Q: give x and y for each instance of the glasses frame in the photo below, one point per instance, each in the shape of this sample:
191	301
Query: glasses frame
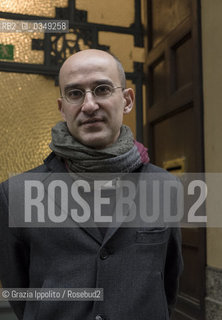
80	102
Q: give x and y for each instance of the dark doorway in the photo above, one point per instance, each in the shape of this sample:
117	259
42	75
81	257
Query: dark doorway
175	124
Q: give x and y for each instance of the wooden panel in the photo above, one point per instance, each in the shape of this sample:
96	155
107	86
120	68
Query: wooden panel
189	283
191	238
158	80
183	57
166	16
182	99
175	138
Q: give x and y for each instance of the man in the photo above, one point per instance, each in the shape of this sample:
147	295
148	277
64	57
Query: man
138	268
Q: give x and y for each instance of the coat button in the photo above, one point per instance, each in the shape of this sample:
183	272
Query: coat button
98	317
104	254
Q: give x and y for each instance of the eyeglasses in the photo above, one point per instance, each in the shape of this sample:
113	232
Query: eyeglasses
77	96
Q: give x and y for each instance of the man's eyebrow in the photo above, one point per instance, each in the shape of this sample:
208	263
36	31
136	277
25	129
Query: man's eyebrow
94	83
70	86
103	81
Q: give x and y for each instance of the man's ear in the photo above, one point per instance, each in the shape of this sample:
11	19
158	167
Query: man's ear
60	107
129	98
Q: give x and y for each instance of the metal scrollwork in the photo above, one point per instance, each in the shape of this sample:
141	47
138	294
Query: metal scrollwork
82	34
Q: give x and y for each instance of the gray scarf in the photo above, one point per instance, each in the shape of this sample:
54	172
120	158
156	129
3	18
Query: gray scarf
122	156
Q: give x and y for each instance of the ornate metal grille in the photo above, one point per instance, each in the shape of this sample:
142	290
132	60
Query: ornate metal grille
57	47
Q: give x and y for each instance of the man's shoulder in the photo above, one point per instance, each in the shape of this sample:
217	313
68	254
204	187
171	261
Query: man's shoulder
50	164
45	167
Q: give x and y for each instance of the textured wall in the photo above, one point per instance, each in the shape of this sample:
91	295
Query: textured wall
212	74
28	102
28	110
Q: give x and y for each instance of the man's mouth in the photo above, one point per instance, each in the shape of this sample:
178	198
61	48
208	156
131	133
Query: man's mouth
91	121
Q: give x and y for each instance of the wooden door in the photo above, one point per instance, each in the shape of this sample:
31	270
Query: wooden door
174	122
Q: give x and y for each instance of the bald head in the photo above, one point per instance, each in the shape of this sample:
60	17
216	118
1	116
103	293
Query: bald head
92	54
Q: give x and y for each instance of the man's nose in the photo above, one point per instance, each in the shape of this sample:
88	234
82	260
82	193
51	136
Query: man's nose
89	104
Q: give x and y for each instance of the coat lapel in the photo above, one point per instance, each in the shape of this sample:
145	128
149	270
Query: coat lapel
58	167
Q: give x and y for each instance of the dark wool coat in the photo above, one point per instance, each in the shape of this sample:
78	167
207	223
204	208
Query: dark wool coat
138	268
